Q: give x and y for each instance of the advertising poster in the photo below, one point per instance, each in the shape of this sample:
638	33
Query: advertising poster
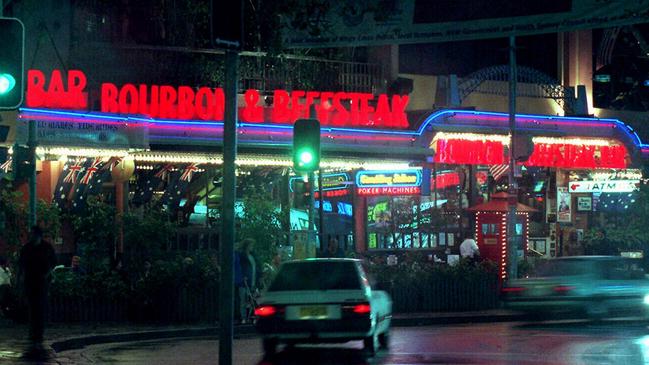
584	203
564	210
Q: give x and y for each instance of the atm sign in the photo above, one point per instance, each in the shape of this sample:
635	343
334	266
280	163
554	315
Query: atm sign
604	186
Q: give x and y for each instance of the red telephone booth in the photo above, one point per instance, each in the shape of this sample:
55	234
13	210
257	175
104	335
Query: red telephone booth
491	229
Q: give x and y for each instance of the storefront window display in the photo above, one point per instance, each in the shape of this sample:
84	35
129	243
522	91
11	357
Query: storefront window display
410	222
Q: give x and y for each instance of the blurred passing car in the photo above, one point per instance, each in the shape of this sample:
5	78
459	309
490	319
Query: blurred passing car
323	300
595	286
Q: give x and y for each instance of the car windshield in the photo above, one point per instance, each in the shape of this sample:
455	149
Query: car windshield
316	275
553	268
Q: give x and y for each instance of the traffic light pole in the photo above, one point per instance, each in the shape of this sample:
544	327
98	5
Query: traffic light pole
512	249
226	309
321	210
312	236
31	143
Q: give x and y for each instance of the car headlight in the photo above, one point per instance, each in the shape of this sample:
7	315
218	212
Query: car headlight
646	299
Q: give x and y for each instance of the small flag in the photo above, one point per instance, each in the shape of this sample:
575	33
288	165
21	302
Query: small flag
67	180
148	183
87	183
498	171
178	186
6	166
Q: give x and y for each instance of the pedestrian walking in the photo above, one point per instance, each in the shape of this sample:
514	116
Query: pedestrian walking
36	262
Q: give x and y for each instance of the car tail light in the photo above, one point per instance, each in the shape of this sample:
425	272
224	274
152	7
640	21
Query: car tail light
563	289
265	311
362	308
513	289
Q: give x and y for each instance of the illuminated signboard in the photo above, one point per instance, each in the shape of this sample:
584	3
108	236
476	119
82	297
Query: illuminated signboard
603	186
446	179
404	182
577	156
205	103
330	193
342	208
463	151
337	181
482	149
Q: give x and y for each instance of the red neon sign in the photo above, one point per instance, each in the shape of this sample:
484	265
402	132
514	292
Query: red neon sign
331	193
204	103
575	156
462	151
443	181
389	190
70	95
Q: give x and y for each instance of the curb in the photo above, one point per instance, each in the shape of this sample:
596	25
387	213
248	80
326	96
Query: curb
76	343
427	321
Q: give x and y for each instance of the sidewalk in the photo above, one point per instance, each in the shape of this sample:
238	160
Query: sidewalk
15	349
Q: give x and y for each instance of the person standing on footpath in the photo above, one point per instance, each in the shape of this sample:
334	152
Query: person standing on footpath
245	276
36	261
469	250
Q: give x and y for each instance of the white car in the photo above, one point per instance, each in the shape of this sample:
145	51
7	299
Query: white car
323	300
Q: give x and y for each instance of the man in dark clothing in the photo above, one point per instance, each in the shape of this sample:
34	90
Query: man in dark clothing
36	262
245	276
333	250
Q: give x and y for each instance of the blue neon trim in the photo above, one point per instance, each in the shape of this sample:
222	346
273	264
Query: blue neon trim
186	122
388	172
429	121
75	114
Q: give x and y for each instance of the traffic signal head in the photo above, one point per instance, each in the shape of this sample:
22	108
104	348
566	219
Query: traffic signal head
12	44
306	145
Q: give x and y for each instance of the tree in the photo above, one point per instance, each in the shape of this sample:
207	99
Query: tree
261	220
95	230
623	229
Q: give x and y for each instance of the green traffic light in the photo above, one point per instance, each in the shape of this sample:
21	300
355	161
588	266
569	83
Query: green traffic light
7	83
306	157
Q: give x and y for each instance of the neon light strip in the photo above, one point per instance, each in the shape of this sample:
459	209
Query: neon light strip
429	121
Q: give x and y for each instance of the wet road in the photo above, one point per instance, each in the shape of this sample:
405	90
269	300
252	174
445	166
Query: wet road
502	343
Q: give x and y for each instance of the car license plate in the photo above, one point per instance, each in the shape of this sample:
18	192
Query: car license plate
313	312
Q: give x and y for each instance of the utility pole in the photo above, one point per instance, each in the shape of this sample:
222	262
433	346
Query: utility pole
512	249
31	144
321	209
311	234
226	309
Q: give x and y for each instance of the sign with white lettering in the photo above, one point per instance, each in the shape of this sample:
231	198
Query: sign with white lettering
111	134
604	186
